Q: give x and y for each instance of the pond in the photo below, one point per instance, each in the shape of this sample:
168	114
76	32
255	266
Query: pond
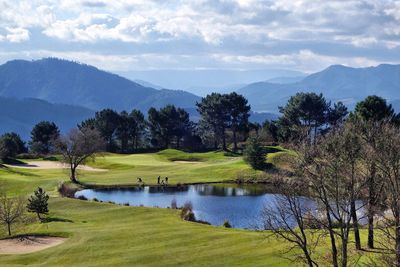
241	205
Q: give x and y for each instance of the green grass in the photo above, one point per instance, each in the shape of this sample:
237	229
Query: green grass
180	167
102	234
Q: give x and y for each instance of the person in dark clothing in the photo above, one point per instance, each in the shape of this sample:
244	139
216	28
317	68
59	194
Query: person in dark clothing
166	180
139	180
158	180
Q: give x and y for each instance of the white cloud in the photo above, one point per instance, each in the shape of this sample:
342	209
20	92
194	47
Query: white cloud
236	32
16	35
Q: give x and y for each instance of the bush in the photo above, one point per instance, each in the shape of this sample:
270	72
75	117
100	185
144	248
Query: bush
187	213
254	154
226	224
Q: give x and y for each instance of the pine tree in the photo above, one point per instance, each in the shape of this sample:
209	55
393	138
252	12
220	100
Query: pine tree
38	203
254	154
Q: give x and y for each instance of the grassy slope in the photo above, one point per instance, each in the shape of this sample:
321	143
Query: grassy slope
103	234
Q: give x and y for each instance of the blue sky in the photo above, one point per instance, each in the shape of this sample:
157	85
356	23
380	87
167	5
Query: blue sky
125	35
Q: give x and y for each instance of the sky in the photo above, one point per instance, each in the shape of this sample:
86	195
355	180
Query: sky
135	35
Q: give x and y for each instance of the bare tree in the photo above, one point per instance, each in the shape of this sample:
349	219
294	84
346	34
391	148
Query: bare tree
330	169
288	217
11	210
388	164
78	146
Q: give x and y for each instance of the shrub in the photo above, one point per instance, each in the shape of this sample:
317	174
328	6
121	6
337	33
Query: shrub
226	224
187	213
126	204
95	200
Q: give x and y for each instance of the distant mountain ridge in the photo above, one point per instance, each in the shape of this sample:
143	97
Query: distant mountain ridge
67	82
20	115
337	83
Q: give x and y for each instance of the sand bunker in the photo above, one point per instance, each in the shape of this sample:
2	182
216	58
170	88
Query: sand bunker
186	161
28	244
51	165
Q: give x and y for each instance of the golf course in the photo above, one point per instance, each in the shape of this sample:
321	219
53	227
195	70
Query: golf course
104	234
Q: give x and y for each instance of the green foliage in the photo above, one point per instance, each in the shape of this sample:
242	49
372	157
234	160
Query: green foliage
220	112
37	203
11	145
254	154
42	136
106	122
226	224
374	108
167	123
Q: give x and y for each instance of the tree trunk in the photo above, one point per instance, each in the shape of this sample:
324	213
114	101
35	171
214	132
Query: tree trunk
38	215
371	207
223	140
332	237
397	236
355	225
308	258
9	228
344	250
234	140
73	174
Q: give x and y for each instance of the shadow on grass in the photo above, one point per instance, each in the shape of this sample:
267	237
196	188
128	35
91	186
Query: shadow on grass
19	172
55	219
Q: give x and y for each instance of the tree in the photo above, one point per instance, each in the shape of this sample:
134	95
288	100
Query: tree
37	203
307	110
42	136
254	154
123	130
78	146
374	108
214	111
388	165
337	114
289	218
167	123
239	114
138	128
11	210
107	122
334	177
369	114
11	144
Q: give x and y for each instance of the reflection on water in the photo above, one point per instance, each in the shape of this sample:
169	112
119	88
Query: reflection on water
241	205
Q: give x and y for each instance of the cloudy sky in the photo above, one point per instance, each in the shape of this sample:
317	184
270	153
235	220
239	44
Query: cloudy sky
123	35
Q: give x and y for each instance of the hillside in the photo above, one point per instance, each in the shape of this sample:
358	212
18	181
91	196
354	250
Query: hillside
337	83
20	115
66	82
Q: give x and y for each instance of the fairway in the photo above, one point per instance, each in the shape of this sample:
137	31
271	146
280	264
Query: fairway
102	234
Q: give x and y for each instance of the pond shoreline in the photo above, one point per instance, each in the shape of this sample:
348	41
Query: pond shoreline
74	187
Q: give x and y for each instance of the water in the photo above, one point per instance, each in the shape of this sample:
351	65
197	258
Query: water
242	206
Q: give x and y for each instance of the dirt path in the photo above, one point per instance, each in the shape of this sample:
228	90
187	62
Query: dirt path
51	165
28	244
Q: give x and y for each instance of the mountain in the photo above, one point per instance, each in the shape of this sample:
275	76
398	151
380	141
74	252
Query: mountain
67	82
337	83
285	80
147	84
20	115
205	81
